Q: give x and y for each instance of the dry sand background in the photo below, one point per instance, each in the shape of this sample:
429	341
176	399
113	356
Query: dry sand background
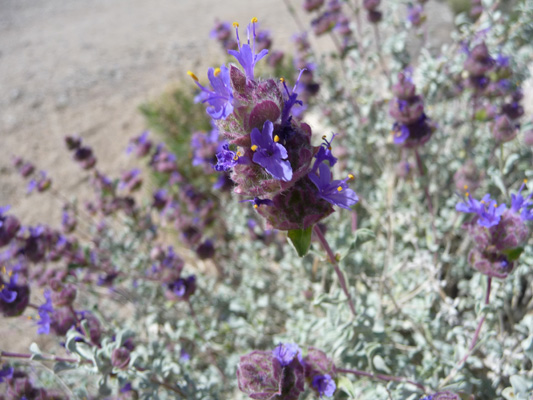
83	67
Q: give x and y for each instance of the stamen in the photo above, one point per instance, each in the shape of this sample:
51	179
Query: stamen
2	287
465	187
4	269
10	273
217	72
468	194
276	138
254	147
525	180
239	154
235	158
351	177
256	206
29	317
282	80
235	24
324	137
254	20
339	189
191	74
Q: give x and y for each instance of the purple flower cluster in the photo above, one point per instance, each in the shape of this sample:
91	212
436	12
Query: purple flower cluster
269	153
282	373
497	96
498	232
412	128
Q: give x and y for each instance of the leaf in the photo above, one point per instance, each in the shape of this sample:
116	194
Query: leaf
346	385
520	386
300	239
34	348
63	366
513	254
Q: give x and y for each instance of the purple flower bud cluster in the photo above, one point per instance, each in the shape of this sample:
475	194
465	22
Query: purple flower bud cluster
498	98
498	232
373	14
412	128
41	182
282	373
468	177
83	155
269	153
18	385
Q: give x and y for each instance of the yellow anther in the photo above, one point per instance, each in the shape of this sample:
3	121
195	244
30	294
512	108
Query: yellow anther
2	287
254	20
525	180
351	177
256	206
28	317
239	154
254	147
217	72
465	187
282	80
324	137
482	201
4	269
495	205
468	194
339	189
10	273
191	74
276	138
235	24
236	157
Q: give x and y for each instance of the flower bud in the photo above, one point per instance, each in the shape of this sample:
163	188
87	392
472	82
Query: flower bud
62	319
120	358
503	129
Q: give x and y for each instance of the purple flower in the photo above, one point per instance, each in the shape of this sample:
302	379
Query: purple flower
227	159
324	153
286	352
246	54
45	311
292	100
6	373
220	98
487	210
518	202
324	385
335	192
258	202
14	297
270	154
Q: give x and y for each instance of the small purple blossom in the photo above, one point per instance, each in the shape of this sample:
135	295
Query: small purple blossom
258	202
324	385
245	55
335	192
286	352
227	159
270	154
487	210
6	373
519	203
220	98
324	154
45	311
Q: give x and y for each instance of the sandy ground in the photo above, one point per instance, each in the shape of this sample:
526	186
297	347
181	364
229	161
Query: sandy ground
80	67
